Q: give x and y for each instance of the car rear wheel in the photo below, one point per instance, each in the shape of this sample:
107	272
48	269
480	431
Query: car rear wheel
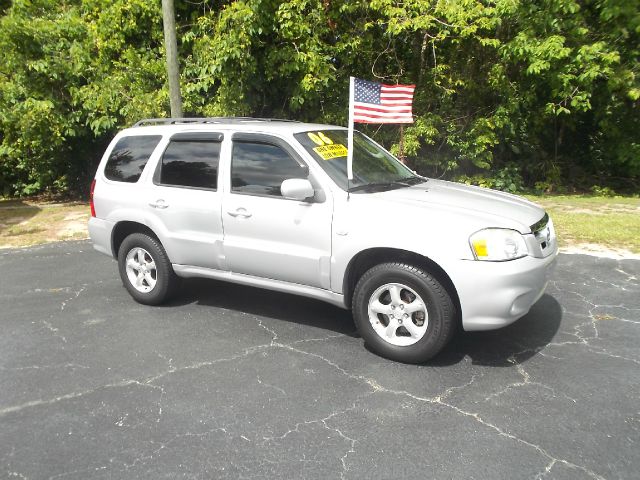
403	312
145	269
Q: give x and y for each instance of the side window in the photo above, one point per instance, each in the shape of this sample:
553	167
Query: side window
260	168
129	157
190	164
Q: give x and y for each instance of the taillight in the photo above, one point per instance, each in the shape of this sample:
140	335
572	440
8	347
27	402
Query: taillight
93	208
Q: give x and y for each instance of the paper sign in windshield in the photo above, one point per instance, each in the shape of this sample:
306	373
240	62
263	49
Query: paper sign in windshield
327	152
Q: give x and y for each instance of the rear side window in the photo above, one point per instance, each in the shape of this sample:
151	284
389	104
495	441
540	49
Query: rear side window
129	157
191	164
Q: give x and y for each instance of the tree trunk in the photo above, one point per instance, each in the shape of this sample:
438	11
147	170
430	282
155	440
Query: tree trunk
171	49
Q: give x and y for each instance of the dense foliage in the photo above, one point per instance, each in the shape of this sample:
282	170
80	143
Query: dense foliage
542	93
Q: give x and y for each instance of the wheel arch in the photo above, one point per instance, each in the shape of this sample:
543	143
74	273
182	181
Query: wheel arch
371	257
125	228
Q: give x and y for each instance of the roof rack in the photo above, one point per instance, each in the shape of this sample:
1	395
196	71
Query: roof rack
204	120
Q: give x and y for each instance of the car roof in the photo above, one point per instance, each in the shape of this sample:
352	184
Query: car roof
219	124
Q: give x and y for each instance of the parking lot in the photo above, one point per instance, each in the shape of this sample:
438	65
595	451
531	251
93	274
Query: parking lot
234	382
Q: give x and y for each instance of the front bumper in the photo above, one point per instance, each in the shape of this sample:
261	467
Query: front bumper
496	294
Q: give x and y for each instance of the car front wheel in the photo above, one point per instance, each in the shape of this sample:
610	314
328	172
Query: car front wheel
403	312
145	269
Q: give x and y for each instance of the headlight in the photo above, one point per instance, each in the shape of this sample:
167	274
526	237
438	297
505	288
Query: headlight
498	244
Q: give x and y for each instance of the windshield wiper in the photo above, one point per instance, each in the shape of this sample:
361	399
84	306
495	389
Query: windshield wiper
415	180
379	186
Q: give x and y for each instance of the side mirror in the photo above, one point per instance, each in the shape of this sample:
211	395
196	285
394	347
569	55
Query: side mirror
297	189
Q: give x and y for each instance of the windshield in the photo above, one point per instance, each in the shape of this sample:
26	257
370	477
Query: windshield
374	169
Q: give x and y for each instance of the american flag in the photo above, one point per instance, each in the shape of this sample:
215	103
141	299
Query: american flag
379	103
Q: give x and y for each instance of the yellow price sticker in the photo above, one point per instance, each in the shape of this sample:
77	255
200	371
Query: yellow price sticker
315	138
334	150
324	138
319	138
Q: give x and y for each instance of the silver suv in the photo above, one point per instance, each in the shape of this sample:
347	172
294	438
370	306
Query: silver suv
267	203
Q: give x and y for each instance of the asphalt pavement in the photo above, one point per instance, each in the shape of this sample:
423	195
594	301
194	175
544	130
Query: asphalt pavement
234	382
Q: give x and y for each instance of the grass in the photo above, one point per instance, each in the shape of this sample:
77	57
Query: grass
610	222
25	223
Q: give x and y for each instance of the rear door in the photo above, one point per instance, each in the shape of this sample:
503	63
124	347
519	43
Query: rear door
267	235
185	199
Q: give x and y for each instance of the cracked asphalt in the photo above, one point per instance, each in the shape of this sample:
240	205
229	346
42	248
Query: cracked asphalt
235	382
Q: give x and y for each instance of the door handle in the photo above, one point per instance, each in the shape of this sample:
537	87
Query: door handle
159	204
240	212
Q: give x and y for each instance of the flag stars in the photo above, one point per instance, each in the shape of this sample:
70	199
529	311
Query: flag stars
367	92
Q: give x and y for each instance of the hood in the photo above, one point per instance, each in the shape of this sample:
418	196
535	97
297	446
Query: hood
496	209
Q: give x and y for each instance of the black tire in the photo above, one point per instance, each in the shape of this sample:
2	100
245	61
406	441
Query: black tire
439	307
166	280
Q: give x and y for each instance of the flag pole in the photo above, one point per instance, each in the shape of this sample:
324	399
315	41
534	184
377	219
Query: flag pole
350	133
401	146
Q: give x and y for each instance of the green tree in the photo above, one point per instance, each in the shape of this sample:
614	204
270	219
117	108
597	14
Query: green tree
528	93
74	72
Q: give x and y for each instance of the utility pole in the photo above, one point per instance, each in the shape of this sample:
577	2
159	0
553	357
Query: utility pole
171	49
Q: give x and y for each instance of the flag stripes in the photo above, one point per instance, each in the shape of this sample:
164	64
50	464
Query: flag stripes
378	103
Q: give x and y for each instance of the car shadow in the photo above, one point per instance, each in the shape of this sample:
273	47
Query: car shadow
499	348
515	343
14	212
266	303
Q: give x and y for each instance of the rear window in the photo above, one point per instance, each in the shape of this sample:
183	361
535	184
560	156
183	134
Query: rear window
191	164
129	157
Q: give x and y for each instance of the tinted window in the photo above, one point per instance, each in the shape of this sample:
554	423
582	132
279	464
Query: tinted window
191	164
260	168
129	156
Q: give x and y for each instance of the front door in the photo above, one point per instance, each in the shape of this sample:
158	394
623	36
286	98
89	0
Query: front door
266	235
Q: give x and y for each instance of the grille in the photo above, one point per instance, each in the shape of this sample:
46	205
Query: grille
545	234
